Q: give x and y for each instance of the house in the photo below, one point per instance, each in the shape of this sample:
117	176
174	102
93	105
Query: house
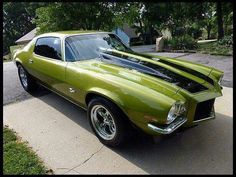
26	38
21	42
126	34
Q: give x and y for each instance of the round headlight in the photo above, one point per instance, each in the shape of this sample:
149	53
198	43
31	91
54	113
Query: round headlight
176	110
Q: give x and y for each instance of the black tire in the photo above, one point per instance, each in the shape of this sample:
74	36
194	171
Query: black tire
29	84
122	124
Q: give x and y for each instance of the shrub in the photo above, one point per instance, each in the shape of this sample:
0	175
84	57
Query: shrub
181	43
226	41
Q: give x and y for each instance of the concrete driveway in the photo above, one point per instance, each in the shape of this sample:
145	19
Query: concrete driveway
60	134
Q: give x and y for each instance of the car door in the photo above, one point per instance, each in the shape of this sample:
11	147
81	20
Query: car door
47	64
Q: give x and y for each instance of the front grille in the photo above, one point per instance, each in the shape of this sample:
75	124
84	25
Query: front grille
204	109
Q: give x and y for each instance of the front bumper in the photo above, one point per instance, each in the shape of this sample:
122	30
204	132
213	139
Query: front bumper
170	128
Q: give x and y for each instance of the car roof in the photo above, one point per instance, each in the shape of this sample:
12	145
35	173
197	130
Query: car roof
70	33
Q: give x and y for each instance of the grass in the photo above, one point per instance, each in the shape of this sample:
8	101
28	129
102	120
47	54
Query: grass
18	158
214	48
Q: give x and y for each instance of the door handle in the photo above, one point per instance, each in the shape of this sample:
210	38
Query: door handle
71	90
31	61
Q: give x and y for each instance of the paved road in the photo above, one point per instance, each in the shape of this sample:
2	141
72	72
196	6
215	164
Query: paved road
12	89
60	134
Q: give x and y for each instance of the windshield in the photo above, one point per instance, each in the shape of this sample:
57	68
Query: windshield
83	47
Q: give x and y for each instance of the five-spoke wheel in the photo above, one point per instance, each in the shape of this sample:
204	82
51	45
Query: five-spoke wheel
27	82
107	121
23	77
103	122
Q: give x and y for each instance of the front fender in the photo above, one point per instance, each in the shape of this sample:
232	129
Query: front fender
17	60
112	96
140	108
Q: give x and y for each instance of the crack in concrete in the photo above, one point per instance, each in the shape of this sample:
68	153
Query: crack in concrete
86	160
62	168
72	170
68	170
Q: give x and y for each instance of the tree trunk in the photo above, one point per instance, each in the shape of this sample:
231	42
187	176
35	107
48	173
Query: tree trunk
141	26
151	34
141	30
208	32
219	20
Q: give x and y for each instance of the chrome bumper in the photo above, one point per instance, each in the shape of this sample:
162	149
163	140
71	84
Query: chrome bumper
170	128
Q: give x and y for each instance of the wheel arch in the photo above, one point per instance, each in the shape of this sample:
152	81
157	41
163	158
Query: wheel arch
18	61
114	98
105	94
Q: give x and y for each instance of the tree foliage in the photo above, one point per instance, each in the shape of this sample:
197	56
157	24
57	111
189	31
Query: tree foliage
209	18
74	16
17	21
181	18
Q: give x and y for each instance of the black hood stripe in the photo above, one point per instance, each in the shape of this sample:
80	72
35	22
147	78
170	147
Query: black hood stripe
188	70
153	70
191	71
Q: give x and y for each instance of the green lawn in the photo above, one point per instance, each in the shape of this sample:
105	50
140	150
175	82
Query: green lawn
214	48
18	158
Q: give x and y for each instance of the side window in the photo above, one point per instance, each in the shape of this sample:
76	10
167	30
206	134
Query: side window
69	52
48	47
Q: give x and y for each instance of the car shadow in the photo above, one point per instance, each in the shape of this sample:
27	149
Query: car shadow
204	149
40	91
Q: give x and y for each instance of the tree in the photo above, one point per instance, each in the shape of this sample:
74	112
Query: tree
155	14
219	20
145	17
227	11
184	18
209	17
130	13
75	16
17	21
181	18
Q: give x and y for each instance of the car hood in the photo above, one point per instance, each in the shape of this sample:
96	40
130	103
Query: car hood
156	73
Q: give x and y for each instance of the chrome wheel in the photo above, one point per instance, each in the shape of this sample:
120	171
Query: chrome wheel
23	77
103	122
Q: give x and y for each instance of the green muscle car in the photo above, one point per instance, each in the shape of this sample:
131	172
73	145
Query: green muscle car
119	88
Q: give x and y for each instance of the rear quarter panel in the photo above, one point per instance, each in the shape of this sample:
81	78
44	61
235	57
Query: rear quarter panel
22	55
